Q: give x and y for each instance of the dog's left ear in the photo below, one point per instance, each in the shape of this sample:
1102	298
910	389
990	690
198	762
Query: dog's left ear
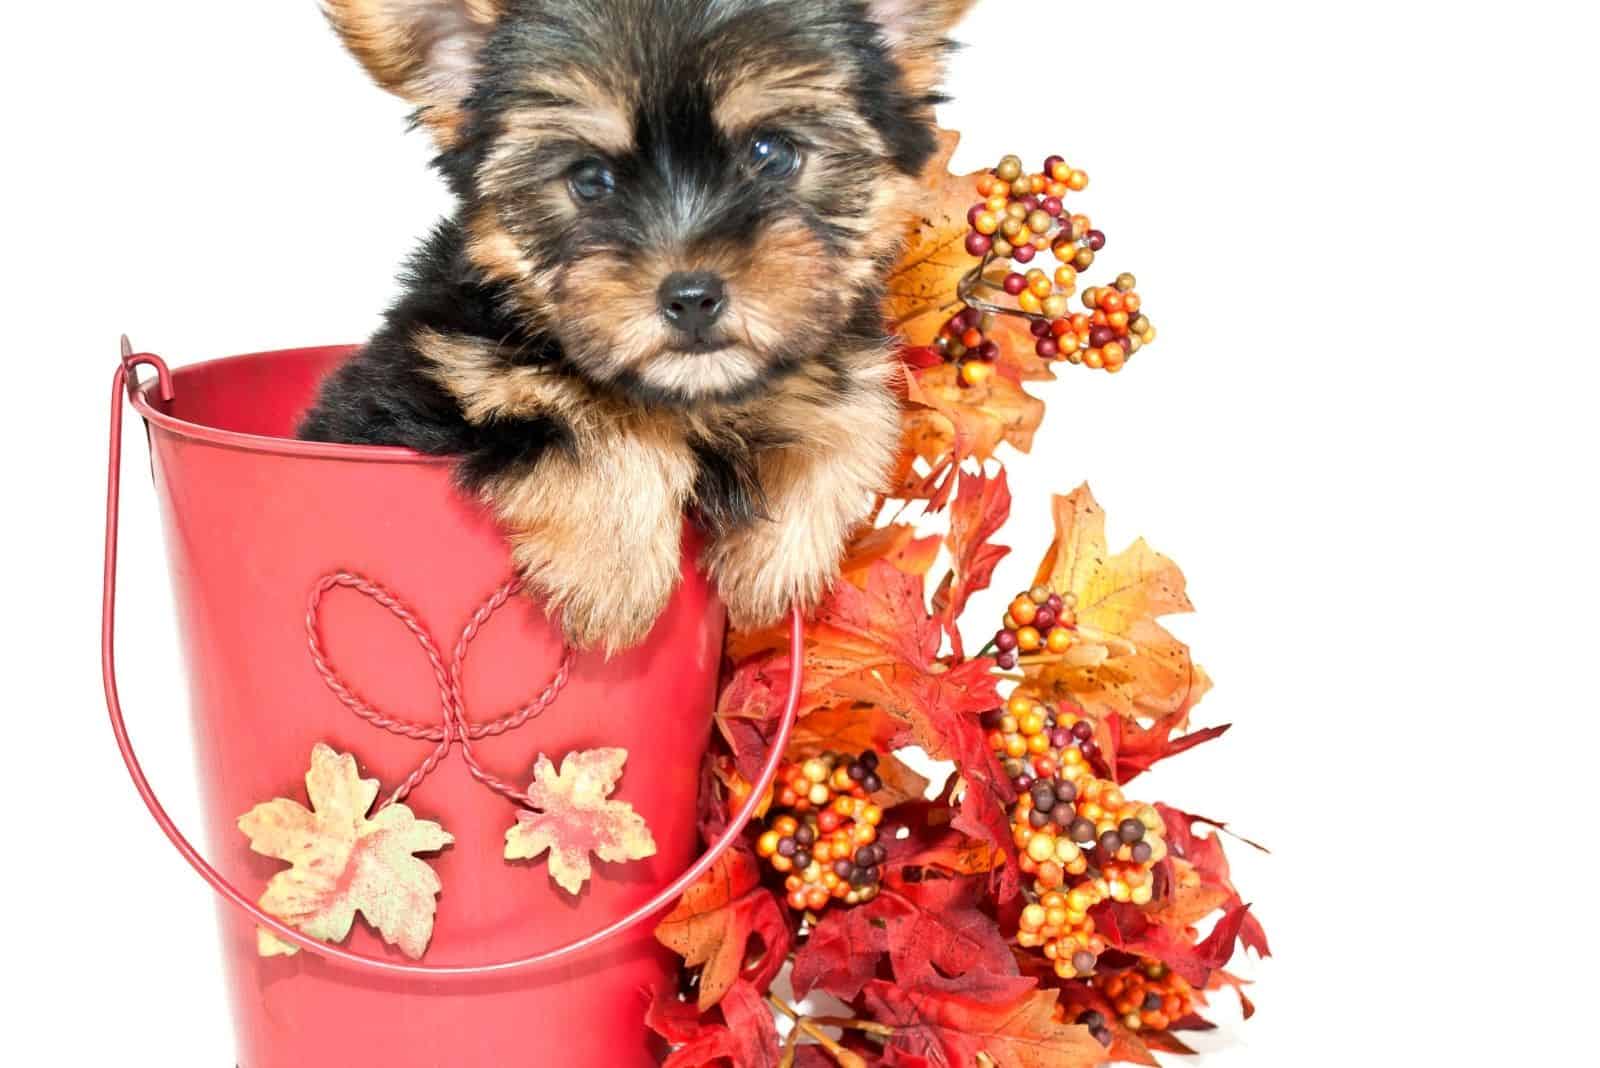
424	51
917	32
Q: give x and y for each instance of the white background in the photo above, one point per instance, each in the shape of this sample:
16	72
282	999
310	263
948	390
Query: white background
1366	231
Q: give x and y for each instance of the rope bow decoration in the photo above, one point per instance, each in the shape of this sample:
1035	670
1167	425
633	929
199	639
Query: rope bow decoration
454	727
567	813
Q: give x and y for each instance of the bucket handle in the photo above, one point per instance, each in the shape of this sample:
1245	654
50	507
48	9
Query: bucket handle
122	386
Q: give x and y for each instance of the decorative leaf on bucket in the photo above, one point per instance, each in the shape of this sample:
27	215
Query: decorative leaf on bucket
343	862
575	818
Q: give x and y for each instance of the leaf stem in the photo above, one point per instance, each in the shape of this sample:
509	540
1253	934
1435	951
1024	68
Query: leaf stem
812	1028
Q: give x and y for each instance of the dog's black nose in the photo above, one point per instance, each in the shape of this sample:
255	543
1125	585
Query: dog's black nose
692	301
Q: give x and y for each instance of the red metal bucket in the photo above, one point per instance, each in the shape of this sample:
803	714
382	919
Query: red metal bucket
272	543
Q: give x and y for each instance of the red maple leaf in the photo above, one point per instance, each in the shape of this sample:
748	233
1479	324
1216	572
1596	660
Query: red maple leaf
926	929
1138	748
981	508
1130	928
1211	883
745	1036
1011	1021
714	922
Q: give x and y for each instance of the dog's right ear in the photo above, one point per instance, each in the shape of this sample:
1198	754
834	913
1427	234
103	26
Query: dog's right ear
425	51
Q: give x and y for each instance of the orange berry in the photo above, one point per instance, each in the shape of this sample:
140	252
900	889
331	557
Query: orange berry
1060	640
1028	639
1023	610
987	222
1028	302
1077	181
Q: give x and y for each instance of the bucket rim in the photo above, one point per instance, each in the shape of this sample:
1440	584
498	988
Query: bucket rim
146	401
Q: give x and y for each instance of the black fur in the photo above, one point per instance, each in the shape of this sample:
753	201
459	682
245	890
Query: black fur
385	395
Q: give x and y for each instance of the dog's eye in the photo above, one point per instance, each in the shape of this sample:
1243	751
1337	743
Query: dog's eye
591	180
774	156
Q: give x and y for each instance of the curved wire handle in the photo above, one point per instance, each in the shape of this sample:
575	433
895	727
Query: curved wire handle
121	386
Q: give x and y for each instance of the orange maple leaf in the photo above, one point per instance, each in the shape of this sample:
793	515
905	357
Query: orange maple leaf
715	919
342	862
921	290
1007	1020
945	421
1124	662
575	818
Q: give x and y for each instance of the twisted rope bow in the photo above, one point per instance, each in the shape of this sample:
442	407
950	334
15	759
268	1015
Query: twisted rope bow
454	727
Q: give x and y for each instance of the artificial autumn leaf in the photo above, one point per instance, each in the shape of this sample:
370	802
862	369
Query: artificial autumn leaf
1009	1020
927	929
713	924
1136	748
575	818
879	646
1133	930
343	863
981	508
921	290
897	543
1124	662
745	1036
856	729
947	423
1204	856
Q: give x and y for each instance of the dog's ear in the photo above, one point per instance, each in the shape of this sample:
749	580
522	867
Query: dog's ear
425	51
917	32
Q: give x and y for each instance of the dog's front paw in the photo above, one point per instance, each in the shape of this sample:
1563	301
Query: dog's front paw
603	603
763	570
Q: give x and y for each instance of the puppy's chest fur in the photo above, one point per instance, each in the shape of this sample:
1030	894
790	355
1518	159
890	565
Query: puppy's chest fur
592	484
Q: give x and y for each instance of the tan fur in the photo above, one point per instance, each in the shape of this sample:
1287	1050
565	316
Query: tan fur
817	492
613	505
595	530
420	50
596	533
917	30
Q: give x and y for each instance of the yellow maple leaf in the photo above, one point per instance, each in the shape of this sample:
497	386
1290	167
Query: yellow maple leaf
1123	662
343	863
576	818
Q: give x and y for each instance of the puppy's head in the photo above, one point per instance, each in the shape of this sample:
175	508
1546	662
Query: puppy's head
693	196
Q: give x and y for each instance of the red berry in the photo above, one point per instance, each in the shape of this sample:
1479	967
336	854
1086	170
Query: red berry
979	245
1015	283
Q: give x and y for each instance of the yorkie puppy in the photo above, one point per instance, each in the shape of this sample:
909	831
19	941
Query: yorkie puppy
662	289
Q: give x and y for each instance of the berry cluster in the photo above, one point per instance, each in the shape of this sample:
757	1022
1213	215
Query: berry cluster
965	339
1079	838
1038	620
1021	216
1093	1020
825	839
1150	997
